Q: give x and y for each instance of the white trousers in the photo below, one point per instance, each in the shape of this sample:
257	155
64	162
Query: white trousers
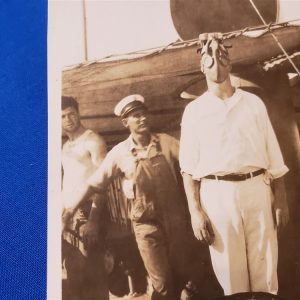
244	254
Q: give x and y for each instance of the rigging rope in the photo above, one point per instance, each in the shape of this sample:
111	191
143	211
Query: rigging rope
276	39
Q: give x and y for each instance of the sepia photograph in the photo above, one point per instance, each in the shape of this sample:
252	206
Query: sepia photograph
174	149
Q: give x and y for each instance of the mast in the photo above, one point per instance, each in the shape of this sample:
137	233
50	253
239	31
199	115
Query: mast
84	31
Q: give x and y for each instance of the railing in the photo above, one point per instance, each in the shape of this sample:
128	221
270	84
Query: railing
119	206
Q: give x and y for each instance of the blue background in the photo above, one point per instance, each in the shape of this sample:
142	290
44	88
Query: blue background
23	144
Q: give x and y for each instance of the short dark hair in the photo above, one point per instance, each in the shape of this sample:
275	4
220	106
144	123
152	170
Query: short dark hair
67	101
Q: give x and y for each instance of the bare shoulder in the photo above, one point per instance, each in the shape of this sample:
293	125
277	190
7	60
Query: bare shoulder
94	139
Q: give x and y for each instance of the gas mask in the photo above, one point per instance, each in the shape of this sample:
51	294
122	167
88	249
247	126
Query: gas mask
215	62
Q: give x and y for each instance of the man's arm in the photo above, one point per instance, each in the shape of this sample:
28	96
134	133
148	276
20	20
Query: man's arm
280	206
96	183
82	194
277	169
97	149
200	222
189	156
91	230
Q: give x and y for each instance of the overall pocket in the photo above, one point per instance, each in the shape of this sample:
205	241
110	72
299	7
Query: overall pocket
142	210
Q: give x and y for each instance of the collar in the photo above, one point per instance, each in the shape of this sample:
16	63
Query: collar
213	104
132	145
233	100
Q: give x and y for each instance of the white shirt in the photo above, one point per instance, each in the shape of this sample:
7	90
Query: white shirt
228	136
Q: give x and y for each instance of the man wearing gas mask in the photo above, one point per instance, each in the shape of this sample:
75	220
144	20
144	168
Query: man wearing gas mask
230	157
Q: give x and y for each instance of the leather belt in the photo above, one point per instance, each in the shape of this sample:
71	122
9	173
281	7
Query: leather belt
236	177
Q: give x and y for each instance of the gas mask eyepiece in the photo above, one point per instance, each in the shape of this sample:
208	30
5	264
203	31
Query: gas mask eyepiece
212	50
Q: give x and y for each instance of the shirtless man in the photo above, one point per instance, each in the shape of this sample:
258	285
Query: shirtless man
82	245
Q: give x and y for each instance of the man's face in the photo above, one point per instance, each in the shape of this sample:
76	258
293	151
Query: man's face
137	121
70	119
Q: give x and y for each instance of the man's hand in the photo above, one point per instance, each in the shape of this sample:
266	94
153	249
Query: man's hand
79	196
280	206
67	215
280	213
281	216
91	229
202	227
200	222
90	233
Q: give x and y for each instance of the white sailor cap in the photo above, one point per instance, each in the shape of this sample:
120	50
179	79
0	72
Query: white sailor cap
129	104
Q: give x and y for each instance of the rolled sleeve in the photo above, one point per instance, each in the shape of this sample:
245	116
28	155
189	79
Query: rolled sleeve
189	150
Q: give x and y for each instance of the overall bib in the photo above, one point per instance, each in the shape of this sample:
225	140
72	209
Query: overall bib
159	223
